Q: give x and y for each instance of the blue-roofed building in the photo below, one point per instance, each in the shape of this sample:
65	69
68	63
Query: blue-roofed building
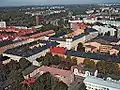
59	35
4	59
111	38
94	83
31	50
72	42
93	56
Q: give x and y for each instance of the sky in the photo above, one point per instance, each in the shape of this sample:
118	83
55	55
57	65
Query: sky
47	2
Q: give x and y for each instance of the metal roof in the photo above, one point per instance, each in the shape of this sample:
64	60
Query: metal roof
21	50
101	82
96	56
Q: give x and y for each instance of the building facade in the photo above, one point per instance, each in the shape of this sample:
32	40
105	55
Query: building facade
94	83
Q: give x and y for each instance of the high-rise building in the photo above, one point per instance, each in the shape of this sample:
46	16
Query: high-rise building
37	20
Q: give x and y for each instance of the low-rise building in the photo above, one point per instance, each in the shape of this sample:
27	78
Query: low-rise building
30	51
63	75
94	83
5	59
71	43
30	71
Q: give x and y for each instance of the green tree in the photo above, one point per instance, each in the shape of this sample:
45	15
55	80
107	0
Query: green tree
40	59
80	47
89	63
74	61
82	87
107	67
16	79
24	63
47	82
61	86
107	33
56	60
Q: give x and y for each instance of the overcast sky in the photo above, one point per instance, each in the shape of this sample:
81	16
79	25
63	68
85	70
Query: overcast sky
41	2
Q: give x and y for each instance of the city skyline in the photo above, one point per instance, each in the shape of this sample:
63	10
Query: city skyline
47	2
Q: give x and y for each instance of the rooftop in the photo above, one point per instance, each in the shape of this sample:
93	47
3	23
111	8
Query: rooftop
7	42
30	49
89	46
87	31
29	70
100	40
2	58
56	71
96	56
90	30
110	38
99	81
60	34
39	33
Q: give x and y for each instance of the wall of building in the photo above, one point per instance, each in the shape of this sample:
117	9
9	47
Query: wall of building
90	36
33	57
2	24
115	23
68	80
104	29
91	85
13	57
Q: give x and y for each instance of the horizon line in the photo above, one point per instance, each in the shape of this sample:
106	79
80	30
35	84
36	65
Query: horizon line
58	4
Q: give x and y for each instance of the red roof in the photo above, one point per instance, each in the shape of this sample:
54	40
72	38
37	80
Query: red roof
42	33
55	71
30	81
17	33
59	50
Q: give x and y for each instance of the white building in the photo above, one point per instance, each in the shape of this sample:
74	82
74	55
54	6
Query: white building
2	24
85	20
105	29
32	58
73	42
94	83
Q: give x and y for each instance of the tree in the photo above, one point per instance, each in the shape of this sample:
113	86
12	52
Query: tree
82	86
74	61
80	47
107	33
61	86
40	59
107	67
89	63
24	63
16	78
56	60
78	86
47	82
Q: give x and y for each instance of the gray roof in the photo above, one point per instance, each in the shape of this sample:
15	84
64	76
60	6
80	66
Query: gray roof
110	38
29	70
101	82
23	52
96	56
100	40
87	31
